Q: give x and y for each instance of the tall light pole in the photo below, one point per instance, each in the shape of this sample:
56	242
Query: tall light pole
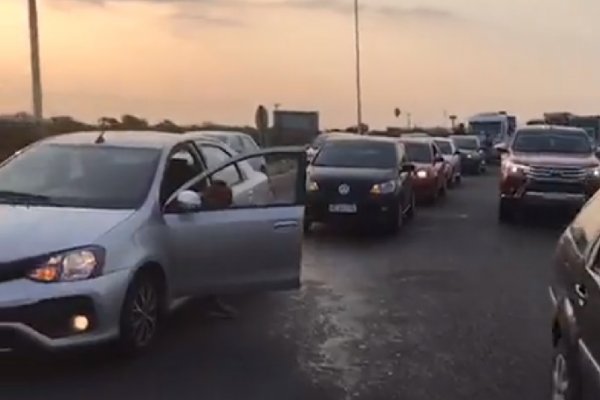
359	119
36	79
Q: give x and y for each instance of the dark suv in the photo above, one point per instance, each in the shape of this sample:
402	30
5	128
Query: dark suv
547	165
575	292
360	178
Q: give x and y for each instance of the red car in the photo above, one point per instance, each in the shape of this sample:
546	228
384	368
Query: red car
430	178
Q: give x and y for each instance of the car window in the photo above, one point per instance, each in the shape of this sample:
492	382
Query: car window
444	146
182	166
552	141
215	156
357	154
249	144
418	152
80	176
585	228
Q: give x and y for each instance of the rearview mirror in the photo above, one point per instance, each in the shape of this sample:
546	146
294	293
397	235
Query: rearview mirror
407	168
189	201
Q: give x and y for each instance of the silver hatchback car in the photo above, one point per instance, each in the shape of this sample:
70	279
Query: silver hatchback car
102	234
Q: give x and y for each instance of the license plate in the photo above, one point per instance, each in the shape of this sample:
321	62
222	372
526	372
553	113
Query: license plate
342	208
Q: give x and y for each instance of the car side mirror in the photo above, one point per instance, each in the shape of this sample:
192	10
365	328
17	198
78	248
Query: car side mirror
438	159
407	168
598	151
189	201
457	153
502	149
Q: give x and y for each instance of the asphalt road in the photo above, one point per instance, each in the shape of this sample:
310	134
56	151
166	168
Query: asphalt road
454	307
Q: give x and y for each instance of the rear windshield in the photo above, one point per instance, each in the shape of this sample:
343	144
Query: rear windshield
444	146
552	141
418	152
357	154
466	143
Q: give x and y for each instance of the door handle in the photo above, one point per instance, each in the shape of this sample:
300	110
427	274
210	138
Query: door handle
582	294
285	224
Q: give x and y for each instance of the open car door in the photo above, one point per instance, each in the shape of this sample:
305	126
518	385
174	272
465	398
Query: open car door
244	235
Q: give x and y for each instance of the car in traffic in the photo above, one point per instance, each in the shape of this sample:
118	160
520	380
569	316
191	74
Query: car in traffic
547	165
104	233
318	142
241	142
430	176
360	179
452	156
472	156
575	295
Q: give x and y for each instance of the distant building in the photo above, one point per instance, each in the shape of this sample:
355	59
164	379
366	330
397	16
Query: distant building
295	127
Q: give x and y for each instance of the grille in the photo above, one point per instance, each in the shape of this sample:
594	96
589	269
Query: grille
358	190
557	173
555	187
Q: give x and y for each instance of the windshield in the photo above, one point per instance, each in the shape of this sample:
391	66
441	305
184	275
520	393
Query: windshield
357	154
552	141
466	143
444	146
79	176
418	152
489	130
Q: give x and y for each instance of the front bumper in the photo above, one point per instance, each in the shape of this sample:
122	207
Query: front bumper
548	192
425	188
371	209
471	164
38	315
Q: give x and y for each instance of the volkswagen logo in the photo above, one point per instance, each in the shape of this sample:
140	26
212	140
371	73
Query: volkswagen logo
344	189
555	173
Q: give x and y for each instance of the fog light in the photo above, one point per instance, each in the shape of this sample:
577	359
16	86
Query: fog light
80	323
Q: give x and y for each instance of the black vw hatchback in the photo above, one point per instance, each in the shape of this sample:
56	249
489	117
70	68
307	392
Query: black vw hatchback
363	179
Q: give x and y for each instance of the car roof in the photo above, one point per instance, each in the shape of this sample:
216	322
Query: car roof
196	134
465	136
367	138
417	139
139	139
546	128
442	139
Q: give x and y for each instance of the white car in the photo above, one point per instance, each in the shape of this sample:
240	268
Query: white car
241	142
105	233
451	155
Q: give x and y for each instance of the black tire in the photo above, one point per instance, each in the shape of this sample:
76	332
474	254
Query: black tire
141	313
458	180
392	226
566	378
307	226
410	213
506	211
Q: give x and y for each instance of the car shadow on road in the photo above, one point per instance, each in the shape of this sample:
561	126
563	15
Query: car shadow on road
544	218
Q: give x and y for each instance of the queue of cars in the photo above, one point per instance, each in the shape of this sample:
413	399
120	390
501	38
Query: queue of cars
379	180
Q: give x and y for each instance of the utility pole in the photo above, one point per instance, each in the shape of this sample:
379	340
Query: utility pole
36	79
408	120
359	118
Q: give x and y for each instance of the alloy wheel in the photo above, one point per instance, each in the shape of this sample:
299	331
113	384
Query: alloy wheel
144	314
560	378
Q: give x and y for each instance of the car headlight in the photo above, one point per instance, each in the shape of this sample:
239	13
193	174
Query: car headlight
594	172
422	174
514	168
69	266
312	186
384	188
469	155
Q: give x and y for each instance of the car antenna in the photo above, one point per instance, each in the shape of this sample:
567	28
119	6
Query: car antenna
100	138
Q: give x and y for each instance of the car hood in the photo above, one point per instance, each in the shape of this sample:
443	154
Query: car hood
31	231
327	173
572	160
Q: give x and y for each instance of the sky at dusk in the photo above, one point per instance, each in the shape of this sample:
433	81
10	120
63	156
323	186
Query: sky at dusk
216	60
